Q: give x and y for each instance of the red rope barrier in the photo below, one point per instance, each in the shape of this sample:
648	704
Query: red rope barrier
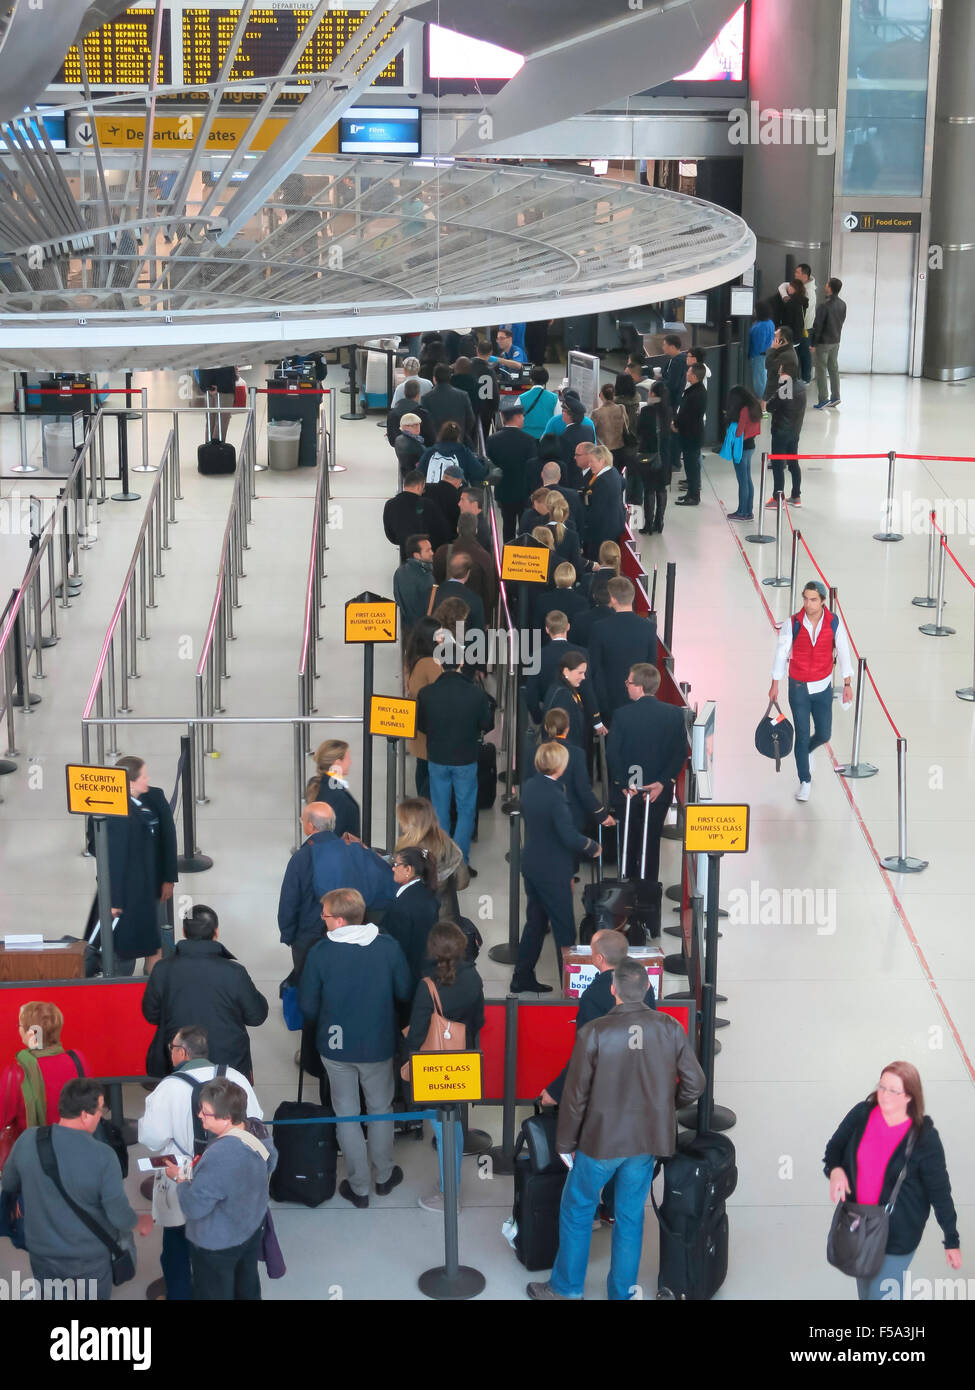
839	609
938	458
956	560
837	456
886	711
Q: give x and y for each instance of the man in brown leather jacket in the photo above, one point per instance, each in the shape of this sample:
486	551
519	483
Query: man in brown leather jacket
629	1072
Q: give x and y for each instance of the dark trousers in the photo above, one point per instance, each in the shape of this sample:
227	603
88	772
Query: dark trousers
227	1275
510	512
546	905
805	359
175	1261
690	451
422	778
785	444
634	850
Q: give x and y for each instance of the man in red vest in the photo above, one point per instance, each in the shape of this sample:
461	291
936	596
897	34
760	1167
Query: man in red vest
807	642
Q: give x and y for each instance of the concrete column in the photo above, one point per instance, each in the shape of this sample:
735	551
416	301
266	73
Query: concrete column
787	195
949	347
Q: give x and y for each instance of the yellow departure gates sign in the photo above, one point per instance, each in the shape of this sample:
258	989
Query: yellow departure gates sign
370	621
127	131
395	718
712	829
441	1077
526	562
97	791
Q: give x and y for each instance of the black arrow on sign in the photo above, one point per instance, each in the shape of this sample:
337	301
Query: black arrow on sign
388	633
84	133
90	802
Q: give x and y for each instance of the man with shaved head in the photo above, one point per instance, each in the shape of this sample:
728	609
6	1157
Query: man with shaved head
323	863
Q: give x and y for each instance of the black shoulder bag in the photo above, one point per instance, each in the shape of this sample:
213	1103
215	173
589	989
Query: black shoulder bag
123	1263
857	1240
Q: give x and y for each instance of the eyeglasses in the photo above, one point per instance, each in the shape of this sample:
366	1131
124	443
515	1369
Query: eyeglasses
207	1115
176	1047
890	1091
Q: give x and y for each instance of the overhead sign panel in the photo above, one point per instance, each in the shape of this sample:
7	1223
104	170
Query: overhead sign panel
370	621
127	131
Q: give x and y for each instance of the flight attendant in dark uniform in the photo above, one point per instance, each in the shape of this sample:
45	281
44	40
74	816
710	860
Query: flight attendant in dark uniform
573	693
552	844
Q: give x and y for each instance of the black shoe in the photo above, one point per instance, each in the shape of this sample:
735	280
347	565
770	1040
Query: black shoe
156	1290
658	528
688	501
646	531
528	986
346	1191
472	871
395	1178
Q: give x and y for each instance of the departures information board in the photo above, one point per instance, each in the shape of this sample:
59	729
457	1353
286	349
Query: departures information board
269	37
120	53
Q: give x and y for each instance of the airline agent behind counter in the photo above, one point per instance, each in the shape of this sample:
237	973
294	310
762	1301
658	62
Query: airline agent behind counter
807	642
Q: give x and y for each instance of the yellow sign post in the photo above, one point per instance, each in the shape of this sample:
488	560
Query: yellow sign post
370	621
446	1078
528	563
712	829
392	717
97	791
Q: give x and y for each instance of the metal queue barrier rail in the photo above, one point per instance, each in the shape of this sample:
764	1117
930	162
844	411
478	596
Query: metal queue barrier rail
67	531
314	600
304	393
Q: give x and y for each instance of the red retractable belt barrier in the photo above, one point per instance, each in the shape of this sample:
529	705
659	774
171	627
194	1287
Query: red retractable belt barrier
102	1018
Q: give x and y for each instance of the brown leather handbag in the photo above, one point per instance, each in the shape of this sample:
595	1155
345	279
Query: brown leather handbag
443	1035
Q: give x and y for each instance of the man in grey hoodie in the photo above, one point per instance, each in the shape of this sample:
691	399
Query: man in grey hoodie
224	1197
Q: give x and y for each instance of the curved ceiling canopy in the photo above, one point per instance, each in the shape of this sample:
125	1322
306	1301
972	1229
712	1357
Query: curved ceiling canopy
359	248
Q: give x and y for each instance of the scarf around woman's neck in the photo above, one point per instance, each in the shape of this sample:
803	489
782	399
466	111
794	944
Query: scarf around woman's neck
32	1086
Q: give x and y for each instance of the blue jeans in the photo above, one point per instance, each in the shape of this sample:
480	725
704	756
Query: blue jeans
746	485
819	708
580	1197
438	1133
893	1267
759	375
462	780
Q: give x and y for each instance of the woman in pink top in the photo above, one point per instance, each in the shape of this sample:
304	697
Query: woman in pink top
865	1157
745	407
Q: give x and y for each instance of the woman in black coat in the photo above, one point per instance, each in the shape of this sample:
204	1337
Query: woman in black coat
416	906
331	785
564	694
461	994
865	1157
652	426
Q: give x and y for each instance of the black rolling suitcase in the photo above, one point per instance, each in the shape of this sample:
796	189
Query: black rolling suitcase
540	1177
487	776
215	456
698	1179
307	1154
608	903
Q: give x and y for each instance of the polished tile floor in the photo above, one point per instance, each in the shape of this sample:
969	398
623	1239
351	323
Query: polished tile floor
878	967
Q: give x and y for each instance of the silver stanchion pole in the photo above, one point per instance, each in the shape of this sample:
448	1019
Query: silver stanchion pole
761	538
854	768
937	628
145	466
837	690
794	571
778	580
900	863
969	692
888	534
929	600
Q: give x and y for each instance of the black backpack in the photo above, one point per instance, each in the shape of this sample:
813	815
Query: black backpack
774	736
200	1136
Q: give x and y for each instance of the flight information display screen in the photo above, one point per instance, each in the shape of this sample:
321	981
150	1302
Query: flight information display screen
120	53
268	38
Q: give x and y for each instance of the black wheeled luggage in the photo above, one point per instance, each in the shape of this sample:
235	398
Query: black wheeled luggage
307	1154
215	455
487	776
540	1177
698	1179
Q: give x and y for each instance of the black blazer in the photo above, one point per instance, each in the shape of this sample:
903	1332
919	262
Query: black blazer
552	843
409	514
203	983
408	920
453	588
571	602
615	646
595	1001
925	1185
605	509
344	804
584	804
648	735
583	626
538	685
140	861
562	696
462	1002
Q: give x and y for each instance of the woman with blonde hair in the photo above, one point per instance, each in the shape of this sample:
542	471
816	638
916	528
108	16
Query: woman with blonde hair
419	828
31	1085
609	566
565	537
331	785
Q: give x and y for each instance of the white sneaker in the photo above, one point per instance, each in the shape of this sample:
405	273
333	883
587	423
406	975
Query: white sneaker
812	762
803	793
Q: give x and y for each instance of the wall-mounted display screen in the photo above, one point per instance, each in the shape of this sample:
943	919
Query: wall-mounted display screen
452	55
269	37
380	130
120	53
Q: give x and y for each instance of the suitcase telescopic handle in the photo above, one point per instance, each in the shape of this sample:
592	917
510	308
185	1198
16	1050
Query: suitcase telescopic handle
646	827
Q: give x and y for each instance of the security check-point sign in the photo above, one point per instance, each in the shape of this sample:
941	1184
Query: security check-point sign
392	717
371	621
445	1078
528	563
97	791
711	829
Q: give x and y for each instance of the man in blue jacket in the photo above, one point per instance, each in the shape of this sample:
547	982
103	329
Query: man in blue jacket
616	645
603	501
322	863
349	987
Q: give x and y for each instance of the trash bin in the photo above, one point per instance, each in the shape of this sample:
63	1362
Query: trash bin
59	449
283	438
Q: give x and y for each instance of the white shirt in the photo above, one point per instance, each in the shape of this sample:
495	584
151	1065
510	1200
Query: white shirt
403	886
783	650
167	1127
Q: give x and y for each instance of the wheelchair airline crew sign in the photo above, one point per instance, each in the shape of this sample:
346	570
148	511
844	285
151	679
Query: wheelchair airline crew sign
711	829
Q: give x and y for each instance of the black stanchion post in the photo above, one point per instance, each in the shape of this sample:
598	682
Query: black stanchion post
451	1280
507	952
368	655
167	928
669	605
105	939
122	424
705	1115
353	413
389	379
760	538
503	1154
391	751
22	691
191	861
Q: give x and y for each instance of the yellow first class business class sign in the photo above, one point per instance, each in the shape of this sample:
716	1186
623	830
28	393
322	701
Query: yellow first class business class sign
442	1077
